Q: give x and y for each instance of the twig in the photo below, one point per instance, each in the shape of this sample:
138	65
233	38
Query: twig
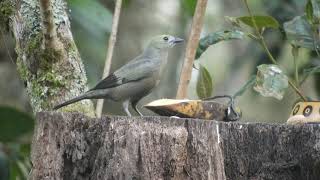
191	48
265	47
111	44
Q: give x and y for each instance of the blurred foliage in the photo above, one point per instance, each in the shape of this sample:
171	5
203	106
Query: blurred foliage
303	31
260	21
309	11
4	166
14	124
300	32
91	25
19	160
216	37
308	72
91	16
204	83
14	153
312	11
188	6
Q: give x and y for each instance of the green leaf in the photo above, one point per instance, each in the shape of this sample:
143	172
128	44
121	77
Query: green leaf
309	11
299	32
216	37
19	160
246	86
204	83
189	6
261	21
14	123
15	172
23	169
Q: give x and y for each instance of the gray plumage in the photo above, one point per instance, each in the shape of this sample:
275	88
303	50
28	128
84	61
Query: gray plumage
134	80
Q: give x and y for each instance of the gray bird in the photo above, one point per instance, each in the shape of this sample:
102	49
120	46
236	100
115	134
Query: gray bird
134	80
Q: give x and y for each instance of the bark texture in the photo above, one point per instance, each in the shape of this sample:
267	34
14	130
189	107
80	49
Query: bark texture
48	60
74	146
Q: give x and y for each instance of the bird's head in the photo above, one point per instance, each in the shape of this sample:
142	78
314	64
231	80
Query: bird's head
164	41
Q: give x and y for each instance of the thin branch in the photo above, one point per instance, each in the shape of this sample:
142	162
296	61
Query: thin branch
192	45
111	44
265	47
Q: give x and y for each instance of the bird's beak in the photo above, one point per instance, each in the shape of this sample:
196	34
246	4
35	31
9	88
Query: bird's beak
177	40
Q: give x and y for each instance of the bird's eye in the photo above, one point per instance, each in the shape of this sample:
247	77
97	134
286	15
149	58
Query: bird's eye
165	38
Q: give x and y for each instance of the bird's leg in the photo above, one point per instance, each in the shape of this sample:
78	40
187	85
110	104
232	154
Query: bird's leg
134	104
125	106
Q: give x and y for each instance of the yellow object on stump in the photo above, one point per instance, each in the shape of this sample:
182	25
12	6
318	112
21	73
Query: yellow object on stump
201	109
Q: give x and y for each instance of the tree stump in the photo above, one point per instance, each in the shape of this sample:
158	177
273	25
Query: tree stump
74	146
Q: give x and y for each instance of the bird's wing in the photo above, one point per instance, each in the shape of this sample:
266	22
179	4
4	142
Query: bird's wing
135	70
108	82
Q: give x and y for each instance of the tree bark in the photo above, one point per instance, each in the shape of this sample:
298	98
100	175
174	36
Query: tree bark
73	146
48	60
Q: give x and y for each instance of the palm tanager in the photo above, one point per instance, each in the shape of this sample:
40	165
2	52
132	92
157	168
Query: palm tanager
134	80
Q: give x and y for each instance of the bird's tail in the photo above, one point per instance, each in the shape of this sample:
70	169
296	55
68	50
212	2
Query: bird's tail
86	95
